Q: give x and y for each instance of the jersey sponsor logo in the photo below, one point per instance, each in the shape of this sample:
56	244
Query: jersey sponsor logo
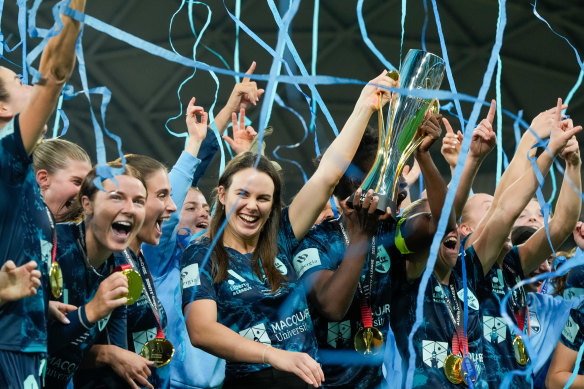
473	302
257	333
438	295
434	353
534	322
383	262
142	337
280	266
571	330
339	333
494	329
497	283
306	259
237	284
572	293
189	276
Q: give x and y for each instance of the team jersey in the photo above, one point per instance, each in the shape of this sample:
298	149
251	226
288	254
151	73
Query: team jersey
26	236
574	284
323	248
433	340
245	303
499	353
68	343
573	332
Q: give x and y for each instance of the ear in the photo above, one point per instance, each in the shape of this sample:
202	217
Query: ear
6	111
465	230
87	205
221	195
43	179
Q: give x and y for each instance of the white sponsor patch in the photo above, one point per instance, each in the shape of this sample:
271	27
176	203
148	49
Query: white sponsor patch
434	353
338	333
280	266
572	293
142	337
473	302
257	333
306	259
534	322
571	330
189	276
30	383
494	329
383	262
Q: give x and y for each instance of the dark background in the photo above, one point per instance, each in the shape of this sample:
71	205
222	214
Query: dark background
538	66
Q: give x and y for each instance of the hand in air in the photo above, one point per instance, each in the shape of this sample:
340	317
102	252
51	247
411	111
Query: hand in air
242	135
451	144
371	94
484	139
245	94
430	130
197	128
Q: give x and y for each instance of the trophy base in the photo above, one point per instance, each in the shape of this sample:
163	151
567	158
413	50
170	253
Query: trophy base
382	204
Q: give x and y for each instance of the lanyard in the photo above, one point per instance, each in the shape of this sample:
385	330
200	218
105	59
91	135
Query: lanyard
54	235
518	301
148	288
82	245
459	340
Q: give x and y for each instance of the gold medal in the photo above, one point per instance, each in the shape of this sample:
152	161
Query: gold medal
158	350
520	352
56	280
452	368
134	285
368	341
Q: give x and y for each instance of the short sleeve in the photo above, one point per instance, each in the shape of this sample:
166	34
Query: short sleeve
313	254
195	274
473	266
15	161
573	332
287	242
513	261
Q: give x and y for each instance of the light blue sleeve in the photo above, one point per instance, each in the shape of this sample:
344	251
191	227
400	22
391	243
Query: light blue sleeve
159	258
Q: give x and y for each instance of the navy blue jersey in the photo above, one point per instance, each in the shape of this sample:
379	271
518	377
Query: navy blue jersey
26	235
245	302
68	343
499	354
574	283
433	339
323	248
573	333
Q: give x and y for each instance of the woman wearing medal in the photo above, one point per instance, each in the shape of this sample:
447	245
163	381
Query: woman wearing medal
243	306
112	219
25	224
503	268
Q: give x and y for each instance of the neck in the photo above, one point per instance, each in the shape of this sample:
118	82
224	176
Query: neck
135	245
97	253
442	274
238	243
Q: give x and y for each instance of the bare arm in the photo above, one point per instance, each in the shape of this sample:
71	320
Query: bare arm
57	62
560	369
537	249
209	335
315	193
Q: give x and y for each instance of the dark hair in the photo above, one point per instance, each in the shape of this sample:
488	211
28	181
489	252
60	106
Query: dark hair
520	234
267	247
88	187
144	164
559	283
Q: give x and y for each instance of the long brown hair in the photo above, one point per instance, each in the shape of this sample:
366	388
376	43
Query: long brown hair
267	247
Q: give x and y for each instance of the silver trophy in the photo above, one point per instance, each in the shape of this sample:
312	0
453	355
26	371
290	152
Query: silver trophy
397	141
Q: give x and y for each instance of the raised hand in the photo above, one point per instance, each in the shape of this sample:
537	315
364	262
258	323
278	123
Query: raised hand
571	152
430	130
110	295
484	138
541	123
411	175
18	282
242	135
298	363
560	132
362	219
369	97
197	128
451	144
245	94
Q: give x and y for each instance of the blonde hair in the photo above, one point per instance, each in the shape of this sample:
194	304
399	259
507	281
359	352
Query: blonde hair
52	155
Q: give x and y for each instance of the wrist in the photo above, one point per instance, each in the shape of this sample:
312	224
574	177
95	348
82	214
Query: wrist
89	313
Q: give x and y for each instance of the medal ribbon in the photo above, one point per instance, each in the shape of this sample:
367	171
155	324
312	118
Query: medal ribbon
54	234
518	302
148	289
459	339
365	290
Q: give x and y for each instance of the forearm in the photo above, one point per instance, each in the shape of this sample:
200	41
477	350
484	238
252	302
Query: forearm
558	380
61	335
99	355
334	296
435	186
469	172
223	118
569	202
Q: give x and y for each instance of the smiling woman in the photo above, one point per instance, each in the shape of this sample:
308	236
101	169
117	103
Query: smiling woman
60	167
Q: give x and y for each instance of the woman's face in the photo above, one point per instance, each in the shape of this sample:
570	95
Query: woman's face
115	215
251	197
194	215
531	216
61	188
159	207
19	94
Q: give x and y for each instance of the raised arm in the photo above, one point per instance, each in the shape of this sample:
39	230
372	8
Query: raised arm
537	248
482	143
56	66
497	229
311	199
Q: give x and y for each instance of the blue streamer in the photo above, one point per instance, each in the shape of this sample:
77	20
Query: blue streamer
236	48
403	28
313	70
425	26
1	35
502	21
366	39
499	170
574	89
22	32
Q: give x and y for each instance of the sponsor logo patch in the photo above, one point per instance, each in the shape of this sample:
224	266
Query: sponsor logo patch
189	276
306	259
434	353
494	329
257	333
339	333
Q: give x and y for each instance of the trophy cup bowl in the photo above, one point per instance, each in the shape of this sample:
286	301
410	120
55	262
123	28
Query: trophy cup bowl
397	141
